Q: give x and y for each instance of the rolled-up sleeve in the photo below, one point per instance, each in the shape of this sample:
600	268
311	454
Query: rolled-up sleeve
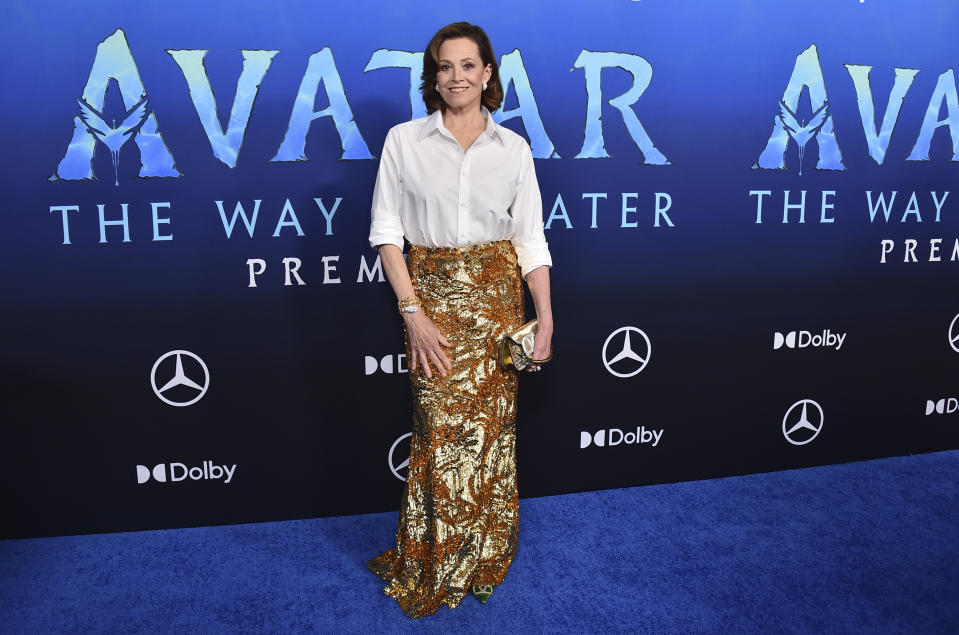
386	228
529	241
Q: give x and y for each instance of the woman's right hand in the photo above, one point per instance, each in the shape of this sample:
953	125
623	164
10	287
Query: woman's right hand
426	344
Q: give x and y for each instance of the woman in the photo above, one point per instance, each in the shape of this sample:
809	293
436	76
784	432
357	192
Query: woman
463	192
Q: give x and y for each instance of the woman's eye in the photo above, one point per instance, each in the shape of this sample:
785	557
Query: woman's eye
469	66
445	67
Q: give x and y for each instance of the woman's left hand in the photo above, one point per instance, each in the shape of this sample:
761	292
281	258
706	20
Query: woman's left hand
538	281
544	345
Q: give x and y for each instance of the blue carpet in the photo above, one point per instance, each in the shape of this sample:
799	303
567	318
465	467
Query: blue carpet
857	548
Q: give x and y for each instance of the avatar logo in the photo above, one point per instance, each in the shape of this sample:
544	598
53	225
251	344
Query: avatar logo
807	78
801	133
114	64
114	136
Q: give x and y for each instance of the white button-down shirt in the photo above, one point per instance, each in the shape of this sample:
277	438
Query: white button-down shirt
436	195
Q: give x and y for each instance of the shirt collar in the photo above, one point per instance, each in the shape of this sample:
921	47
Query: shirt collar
434	123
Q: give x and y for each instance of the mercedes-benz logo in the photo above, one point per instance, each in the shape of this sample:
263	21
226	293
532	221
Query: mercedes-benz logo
392	463
954	333
801	428
191	391
638	358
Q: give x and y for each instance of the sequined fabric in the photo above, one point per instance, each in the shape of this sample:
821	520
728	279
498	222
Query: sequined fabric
459	518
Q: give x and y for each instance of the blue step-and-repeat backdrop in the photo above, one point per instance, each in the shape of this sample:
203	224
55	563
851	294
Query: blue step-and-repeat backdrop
750	207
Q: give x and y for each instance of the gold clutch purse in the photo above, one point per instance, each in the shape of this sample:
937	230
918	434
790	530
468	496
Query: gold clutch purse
516	348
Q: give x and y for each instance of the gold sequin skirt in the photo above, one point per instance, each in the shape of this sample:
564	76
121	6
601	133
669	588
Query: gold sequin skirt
459	517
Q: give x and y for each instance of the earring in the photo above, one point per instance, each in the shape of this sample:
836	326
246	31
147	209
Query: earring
484	85
437	87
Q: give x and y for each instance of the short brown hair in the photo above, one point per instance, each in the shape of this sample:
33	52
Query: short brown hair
492	96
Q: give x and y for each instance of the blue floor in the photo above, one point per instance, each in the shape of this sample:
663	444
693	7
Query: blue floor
870	547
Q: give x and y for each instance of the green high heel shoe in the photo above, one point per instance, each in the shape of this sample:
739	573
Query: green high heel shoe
482	592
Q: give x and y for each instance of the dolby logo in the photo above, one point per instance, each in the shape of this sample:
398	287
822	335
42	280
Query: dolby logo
177	472
807	339
389	364
615	436
945	406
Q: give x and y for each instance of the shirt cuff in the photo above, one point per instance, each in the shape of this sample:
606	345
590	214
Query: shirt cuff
530	259
384	236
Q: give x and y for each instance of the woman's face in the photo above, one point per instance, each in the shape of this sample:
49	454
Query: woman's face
461	74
